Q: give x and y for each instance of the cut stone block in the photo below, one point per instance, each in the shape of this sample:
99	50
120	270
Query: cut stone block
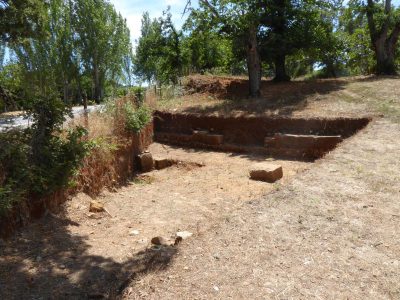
213	139
269	142
162	163
266	172
146	162
306	141
199	136
173	137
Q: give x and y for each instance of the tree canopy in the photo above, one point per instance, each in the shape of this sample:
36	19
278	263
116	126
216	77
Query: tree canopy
81	49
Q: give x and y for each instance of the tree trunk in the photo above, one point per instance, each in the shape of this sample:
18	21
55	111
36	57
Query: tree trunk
383	42
253	64
280	68
385	60
97	88
66	91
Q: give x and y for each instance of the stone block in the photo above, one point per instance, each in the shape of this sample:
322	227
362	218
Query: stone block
213	139
306	141
266	172
269	142
162	163
199	136
146	162
96	207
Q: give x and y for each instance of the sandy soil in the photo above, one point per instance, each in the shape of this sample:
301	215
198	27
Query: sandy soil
77	250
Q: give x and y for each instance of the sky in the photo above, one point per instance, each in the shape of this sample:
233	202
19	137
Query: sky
133	10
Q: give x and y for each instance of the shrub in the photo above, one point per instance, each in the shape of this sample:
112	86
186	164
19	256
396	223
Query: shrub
136	118
41	159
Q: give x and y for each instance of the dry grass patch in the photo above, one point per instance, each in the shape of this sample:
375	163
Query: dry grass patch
328	98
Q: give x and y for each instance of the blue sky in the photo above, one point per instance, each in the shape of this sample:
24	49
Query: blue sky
133	10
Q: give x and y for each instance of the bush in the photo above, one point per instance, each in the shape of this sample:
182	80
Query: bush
136	118
127	114
41	159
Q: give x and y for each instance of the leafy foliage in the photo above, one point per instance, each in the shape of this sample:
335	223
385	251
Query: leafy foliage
39	160
158	55
136	118
21	19
83	52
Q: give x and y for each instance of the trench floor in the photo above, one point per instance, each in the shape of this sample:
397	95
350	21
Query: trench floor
80	250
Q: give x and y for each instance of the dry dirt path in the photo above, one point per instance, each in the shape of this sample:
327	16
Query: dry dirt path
331	233
76	255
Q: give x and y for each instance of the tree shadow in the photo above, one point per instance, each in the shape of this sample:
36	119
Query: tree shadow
281	99
46	261
249	153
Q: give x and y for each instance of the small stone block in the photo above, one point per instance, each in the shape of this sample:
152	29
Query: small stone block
146	162
214	139
199	136
162	163
96	207
269	142
266	172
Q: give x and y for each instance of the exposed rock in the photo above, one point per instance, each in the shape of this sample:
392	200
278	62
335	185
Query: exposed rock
96	207
266	172
134	232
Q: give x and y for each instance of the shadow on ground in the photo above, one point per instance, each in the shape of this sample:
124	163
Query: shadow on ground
251	156
45	261
276	98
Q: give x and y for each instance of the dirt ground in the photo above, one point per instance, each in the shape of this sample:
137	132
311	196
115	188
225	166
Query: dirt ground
328	230
331	233
185	197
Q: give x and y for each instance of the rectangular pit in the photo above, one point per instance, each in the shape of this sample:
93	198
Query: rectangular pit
296	138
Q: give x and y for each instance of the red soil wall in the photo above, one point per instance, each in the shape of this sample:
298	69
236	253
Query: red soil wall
124	165
251	131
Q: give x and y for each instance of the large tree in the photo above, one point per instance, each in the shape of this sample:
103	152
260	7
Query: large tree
238	19
384	28
289	26
158	57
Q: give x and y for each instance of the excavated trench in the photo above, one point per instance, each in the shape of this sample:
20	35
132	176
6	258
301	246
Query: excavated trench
278	137
187	188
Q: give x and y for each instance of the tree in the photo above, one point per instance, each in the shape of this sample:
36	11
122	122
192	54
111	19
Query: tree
103	41
384	29
204	49
158	55
21	19
290	26
239	20
353	28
